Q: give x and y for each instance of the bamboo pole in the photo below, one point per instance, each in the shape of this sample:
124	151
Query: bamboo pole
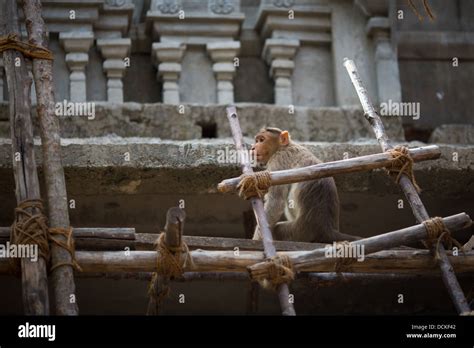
327	169
62	277
257	205
34	277
173	233
310	259
117	238
391	261
449	278
317	260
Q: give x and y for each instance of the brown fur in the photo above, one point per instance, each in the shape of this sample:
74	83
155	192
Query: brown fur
311	208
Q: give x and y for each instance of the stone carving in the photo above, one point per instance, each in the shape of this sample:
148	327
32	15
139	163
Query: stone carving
169	7
283	3
221	7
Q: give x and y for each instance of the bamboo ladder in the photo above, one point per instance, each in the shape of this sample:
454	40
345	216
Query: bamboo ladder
374	244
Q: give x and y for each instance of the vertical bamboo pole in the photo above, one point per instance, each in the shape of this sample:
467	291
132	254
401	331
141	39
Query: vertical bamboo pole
33	276
62	277
174	229
257	205
419	210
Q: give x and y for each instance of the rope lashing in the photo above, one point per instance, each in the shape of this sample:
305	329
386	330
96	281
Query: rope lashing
254	185
11	42
67	245
343	263
30	228
275	271
437	232
402	164
170	262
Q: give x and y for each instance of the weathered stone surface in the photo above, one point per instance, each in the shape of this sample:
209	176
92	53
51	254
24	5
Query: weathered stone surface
206	161
453	134
166	121
110	191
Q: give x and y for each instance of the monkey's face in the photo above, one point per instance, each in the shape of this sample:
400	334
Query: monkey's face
266	144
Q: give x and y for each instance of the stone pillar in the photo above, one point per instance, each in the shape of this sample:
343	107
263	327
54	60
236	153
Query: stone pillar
77	45
223	55
169	55
114	50
388	77
279	54
2	73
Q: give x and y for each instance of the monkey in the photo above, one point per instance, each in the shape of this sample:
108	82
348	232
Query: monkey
310	207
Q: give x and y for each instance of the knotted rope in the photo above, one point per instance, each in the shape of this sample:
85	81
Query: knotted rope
67	245
438	232
402	164
275	271
30	228
343	263
11	42
170	263
427	9
254	185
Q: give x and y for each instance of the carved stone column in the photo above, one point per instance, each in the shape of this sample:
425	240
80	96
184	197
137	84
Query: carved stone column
114	51
169	56
76	45
223	55
388	76
279	54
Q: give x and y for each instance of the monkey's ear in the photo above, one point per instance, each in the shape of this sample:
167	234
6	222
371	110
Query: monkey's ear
284	138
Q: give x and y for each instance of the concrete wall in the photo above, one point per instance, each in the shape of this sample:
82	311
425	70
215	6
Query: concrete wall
350	40
60	69
140	83
312	79
252	82
197	81
426	50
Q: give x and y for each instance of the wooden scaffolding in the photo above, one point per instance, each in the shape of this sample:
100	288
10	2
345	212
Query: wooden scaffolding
173	256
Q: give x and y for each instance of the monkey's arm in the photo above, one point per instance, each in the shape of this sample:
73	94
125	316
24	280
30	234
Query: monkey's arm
274	207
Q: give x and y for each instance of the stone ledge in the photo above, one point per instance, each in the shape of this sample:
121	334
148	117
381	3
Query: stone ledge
164	121
161	166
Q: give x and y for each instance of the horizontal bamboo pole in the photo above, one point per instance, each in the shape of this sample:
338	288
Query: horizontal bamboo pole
394	261
117	238
309	261
126	233
350	165
144	241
